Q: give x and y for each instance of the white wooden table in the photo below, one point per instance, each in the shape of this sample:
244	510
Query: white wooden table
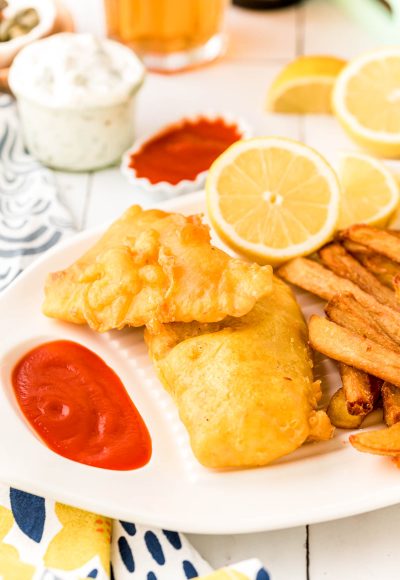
358	548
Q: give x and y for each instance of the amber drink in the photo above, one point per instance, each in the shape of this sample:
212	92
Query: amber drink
169	35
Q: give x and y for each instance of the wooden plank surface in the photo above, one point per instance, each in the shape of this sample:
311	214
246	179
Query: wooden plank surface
284	552
364	547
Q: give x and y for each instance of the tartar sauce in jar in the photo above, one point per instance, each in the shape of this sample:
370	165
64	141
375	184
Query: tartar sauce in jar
76	97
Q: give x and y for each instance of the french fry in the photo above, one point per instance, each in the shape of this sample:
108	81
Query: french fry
381	241
337	259
355	248
354	350
391	404
318	280
386	318
381	442
339	415
346	311
381	267
396	284
361	391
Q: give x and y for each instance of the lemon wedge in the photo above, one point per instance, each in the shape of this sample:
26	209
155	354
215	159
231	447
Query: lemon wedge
366	100
272	198
370	193
305	85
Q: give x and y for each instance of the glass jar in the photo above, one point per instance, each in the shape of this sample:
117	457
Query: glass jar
169	35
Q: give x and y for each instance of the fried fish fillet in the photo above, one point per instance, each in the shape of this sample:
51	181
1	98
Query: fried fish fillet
153	267
244	386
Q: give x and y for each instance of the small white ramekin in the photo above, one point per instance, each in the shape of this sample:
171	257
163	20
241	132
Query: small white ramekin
72	135
163	189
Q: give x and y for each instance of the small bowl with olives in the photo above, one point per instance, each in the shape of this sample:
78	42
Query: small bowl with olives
22	22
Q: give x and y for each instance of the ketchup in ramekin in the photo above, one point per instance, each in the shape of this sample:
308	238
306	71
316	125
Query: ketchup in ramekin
176	159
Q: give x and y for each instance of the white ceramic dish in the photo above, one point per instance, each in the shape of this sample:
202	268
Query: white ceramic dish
47	14
319	482
76	97
164	190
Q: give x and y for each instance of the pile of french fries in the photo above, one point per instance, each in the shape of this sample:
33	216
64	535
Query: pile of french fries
359	275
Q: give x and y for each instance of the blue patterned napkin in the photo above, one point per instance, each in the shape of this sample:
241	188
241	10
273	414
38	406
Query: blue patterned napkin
41	539
32	218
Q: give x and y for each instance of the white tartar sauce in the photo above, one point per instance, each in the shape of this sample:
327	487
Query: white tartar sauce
76	96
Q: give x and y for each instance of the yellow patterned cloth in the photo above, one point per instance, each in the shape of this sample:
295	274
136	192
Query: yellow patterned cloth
46	540
38	536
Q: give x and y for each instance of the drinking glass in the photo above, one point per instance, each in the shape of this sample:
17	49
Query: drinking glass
169	35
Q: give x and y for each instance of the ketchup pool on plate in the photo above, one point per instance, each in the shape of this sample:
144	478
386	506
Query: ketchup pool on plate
79	407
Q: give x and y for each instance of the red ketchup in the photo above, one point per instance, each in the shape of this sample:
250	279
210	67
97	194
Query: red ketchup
79	407
184	150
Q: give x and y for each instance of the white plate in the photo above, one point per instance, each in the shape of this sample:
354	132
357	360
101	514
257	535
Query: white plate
316	483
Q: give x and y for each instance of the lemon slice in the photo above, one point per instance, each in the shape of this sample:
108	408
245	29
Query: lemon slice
272	199
305	85
370	193
366	100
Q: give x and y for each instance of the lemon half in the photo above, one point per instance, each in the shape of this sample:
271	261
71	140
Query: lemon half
305	85
272	198
366	100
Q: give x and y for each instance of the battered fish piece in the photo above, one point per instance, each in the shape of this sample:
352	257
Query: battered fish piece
153	267
244	386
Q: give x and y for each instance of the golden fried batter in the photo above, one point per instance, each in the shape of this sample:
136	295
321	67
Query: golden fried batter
244	386
153	267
